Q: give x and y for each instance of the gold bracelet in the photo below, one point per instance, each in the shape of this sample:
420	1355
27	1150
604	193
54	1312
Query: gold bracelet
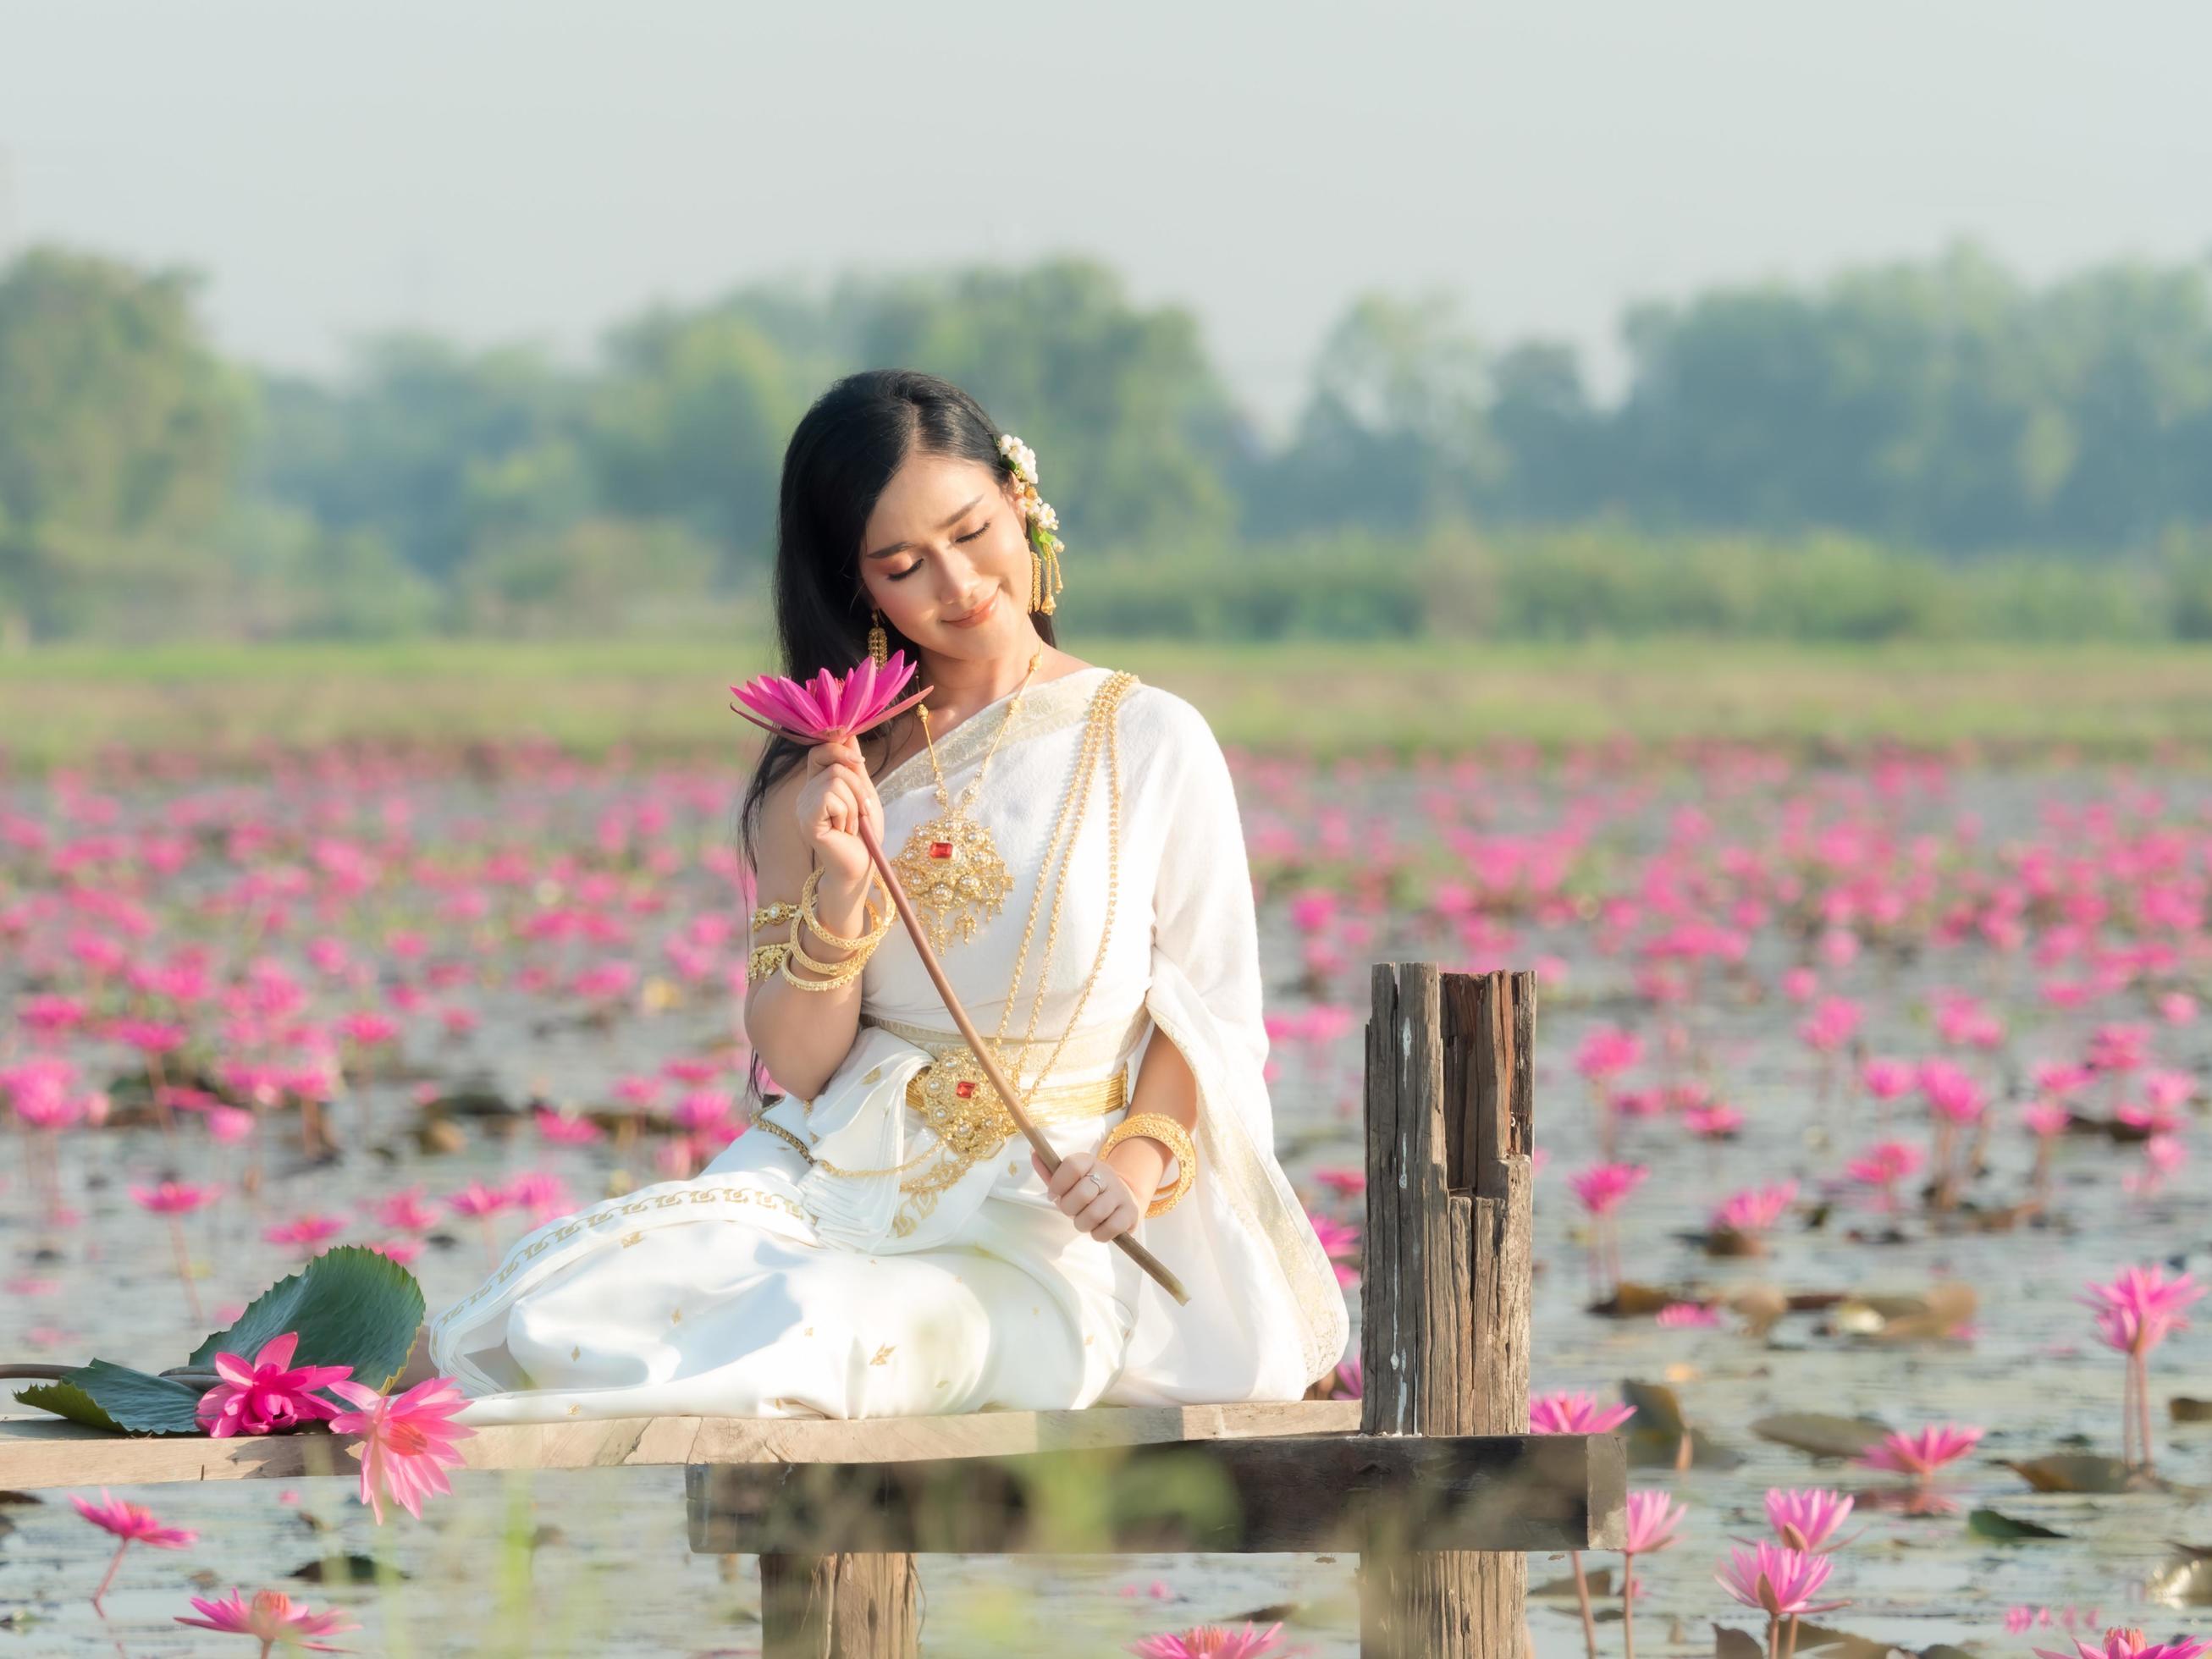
1159	1126
876	929
840	973
849	966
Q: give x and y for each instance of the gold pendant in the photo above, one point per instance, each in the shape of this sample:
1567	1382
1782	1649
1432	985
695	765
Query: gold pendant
954	876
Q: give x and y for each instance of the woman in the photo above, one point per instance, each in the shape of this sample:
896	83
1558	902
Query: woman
880	1241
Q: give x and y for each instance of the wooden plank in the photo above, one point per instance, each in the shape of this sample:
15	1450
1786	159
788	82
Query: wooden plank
41	1452
1355	1493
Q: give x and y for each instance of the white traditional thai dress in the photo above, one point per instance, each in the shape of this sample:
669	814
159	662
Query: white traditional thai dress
767	1287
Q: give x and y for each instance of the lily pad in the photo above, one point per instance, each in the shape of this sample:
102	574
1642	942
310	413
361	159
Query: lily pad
1656	1434
2184	1580
2080	1472
2183	1409
2007	1529
105	1395
67	1399
1820	1433
350	1569
1940	1311
350	1305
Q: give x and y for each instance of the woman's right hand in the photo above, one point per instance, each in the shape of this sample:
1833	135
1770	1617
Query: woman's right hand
837	797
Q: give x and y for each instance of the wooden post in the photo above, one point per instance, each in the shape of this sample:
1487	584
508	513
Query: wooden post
1444	1337
840	1607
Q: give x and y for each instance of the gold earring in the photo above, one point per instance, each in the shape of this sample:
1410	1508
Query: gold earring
877	644
1036	577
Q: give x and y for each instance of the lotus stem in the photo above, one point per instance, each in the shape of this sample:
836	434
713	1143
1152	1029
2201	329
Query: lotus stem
1582	1594
1046	1153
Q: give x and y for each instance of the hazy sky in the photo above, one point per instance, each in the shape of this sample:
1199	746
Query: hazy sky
536	168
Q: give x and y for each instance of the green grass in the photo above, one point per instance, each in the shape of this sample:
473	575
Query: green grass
62	705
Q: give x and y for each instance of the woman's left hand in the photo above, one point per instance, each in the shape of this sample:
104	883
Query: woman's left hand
1091	1191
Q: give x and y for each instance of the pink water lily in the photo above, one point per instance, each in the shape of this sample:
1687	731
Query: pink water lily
2128	1644
1924	1453
1806	1518
270	1618
131	1525
1214	1641
1652	1517
1778	1580
269	1395
829	707
2134	1313
1574	1414
406	1442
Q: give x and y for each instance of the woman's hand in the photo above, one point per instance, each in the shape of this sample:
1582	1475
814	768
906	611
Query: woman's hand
837	796
1091	1193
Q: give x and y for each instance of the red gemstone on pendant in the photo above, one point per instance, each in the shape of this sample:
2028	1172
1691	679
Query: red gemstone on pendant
940	849
965	1088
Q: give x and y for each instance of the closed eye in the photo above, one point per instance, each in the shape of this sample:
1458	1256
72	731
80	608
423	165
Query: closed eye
901	575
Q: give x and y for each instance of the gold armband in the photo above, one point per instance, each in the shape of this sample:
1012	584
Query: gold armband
1172	1135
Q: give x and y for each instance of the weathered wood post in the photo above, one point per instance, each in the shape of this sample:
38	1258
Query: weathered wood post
1444	1337
840	1607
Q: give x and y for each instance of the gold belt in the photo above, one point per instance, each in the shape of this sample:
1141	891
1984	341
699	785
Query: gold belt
954	1097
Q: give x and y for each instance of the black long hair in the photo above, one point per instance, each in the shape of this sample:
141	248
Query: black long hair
845	449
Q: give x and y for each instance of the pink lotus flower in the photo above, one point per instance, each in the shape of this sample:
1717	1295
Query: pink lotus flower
1779	1581
306	1231
269	1396
2134	1313
2142	1308
1924	1453
478	1200
1678	1315
564	1131
1608	1050
1344	1182
1574	1414
1806	1518
270	1618
131	1525
1715	1122
2045	1119
1886	1079
1885	1163
406	1211
829	707
1603	1185
1652	1517
1211	1642
406	1442
174	1198
2128	1644
1754	1209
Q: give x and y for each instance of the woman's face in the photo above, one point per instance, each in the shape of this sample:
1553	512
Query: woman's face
945	543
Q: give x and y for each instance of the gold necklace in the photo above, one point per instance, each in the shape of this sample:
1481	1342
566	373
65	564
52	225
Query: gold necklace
959	1104
950	866
967	1118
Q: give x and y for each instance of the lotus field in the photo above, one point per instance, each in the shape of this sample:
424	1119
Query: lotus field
1871	1122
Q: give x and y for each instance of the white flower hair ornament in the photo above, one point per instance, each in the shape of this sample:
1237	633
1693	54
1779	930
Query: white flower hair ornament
1044	547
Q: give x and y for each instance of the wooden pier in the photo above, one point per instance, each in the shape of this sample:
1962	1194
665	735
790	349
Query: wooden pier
1431	1478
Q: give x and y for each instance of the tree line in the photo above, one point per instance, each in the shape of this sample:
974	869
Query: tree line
1894	450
